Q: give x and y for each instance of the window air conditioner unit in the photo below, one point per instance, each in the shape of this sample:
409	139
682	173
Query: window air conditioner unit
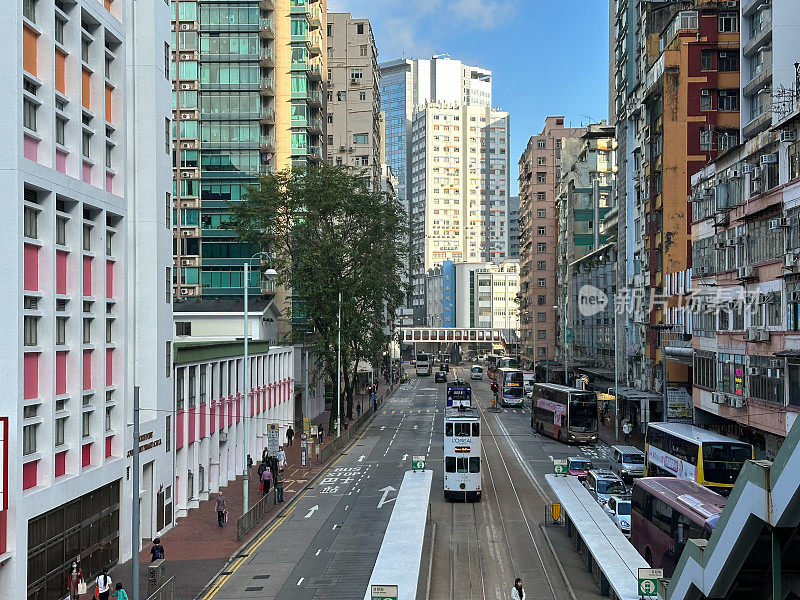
721	219
778	223
775	362
737	402
185	86
745	272
342	148
720	245
768	159
717	398
788	135
735	174
747	168
184	292
792	296
763	335
705	92
223	436
753	370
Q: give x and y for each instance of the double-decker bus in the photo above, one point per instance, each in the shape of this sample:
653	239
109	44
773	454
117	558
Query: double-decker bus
423	365
689	452
462	453
507	362
491	364
510	387
565	413
666	512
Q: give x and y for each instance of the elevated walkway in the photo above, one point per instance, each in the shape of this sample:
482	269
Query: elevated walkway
754	549
608	553
400	556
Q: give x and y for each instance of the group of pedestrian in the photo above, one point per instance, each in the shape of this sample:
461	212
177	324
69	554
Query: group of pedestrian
270	471
77	586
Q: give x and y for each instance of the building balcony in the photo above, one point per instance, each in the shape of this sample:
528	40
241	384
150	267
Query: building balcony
314	16
314	98
266	4
266	28
266	57
757	125
298	9
267	86
314	72
299	38
762	37
267	143
315	153
762	79
750	6
267	116
314	125
315	44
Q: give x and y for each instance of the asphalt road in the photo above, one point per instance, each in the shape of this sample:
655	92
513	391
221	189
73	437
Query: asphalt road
325	545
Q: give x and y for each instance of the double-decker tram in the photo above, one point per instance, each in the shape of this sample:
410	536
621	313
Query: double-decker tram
689	452
510	387
462	453
423	364
565	413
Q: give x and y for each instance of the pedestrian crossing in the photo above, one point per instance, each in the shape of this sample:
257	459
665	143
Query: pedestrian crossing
411	412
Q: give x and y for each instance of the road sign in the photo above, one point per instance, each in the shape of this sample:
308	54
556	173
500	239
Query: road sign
304	436
384	592
418	463
273	437
555	511
306	424
560	467
314	430
569	335
648	581
303	457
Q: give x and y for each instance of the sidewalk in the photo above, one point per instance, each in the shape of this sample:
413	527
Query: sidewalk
196	548
607	434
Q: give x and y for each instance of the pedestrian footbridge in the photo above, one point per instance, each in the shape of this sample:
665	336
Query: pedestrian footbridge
754	551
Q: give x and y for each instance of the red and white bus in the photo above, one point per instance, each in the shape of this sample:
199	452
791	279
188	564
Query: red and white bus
666	512
565	413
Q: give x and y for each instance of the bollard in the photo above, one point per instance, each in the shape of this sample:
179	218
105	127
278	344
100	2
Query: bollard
156	574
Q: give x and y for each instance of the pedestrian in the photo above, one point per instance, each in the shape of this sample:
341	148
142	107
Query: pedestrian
264	454
281	459
220	505
321	435
266	481
75	583
104	585
626	429
289	435
249	462
261	466
358	408
156	550
279	486
517	593
120	593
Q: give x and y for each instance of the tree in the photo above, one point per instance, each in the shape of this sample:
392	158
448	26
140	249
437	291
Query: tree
328	232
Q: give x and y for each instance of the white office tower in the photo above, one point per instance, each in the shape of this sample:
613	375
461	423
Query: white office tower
86	246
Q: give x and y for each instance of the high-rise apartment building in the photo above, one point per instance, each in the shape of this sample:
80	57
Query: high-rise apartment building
513	227
87	292
248	98
539	174
354	107
406	86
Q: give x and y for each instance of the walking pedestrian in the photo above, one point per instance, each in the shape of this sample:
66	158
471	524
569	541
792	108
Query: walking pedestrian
75	583
104	585
281	459
626	429
156	550
289	435
517	593
321	435
249	463
279	486
358	408
220	505
120	593
266	480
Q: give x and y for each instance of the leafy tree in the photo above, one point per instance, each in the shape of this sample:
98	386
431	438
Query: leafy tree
329	232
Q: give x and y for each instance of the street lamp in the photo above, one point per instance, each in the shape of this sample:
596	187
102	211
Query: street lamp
269	273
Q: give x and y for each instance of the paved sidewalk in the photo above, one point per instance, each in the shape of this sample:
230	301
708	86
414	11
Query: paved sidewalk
607	434
196	548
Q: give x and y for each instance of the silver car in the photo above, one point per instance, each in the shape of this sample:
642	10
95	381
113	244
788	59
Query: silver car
602	484
619	509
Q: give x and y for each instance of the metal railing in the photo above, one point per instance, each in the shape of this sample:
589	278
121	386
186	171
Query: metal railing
335	446
249	519
165	592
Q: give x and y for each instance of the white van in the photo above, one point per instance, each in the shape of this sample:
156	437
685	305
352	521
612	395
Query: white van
628	462
527	383
476	372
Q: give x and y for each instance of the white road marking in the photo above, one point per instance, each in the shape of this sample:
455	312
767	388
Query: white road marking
300	581
386	491
312	511
361	458
405	457
318	551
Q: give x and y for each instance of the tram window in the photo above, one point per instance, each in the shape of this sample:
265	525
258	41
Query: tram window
461	464
476	430
462	429
450	464
448	429
474	464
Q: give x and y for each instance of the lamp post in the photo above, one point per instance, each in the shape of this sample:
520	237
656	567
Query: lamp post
339	372
246	472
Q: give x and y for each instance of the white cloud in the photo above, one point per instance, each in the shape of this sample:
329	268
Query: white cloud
483	14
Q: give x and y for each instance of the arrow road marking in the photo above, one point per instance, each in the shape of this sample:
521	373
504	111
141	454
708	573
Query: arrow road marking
318	551
415	426
405	457
383	427
386	491
312	511
361	458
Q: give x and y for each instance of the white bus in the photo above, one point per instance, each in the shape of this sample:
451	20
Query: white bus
462	453
423	365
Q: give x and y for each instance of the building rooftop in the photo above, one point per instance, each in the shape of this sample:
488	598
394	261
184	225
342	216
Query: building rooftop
222	304
191	351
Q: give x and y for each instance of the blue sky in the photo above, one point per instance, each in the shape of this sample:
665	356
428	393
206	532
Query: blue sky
547	56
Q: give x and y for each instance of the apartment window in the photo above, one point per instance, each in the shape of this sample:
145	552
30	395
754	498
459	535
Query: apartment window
30	226
167	60
60	431
87	331
169	358
727	138
86	139
61	231
728	61
794	160
108	417
541	299
541	161
541	144
705	139
728	21
541	282
29	439
31	325
360	138
61	331
109	329
541	230
541	213
30	411
541	351
729	100
356	74
330	119
360	28
168	284
87	237
168	203
29	114
541	317
29	10
61	125
705	99
362	50
183	328
109	150
362	95
30	303
541	177
109	243
86	425
706	60
541	265
166	135
541	196
541	247
541	334
85	43
341	96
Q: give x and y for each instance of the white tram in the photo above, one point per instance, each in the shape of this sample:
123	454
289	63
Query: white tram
462	453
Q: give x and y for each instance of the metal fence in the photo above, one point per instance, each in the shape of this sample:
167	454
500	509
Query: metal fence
165	592
248	520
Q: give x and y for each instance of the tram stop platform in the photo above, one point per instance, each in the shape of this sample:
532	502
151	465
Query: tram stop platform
400	557
607	553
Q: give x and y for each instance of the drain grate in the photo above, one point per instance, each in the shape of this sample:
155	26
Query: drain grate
226	572
260	576
254	589
243	555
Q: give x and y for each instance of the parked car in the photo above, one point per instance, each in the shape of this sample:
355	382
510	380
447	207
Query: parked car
577	466
619	509
441	377
602	484
627	462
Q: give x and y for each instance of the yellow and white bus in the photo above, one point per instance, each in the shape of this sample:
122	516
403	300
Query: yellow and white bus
689	452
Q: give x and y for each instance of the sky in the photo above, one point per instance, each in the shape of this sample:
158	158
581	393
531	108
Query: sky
548	57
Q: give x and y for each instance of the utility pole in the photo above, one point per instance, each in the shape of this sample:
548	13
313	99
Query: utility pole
564	313
245	470
339	372
616	374
135	527
308	414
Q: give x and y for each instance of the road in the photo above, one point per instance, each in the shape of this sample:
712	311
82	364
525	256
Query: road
325	544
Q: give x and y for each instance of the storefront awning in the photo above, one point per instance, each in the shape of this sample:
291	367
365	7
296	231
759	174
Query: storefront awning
629	393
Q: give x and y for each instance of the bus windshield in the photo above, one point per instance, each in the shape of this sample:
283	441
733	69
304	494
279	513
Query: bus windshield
722	461
582	413
513	385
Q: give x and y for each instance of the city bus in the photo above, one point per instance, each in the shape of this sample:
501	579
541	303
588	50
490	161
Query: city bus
423	365
510	387
565	413
462	453
507	362
689	452
666	512
491	364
